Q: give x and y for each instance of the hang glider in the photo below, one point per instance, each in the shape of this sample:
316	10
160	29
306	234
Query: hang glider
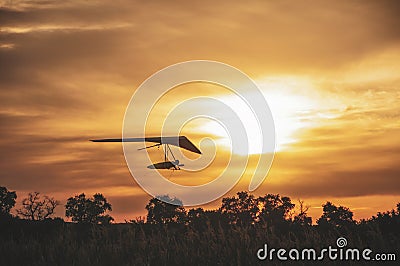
178	141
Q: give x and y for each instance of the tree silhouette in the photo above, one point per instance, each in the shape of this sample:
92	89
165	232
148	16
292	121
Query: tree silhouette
274	208
36	207
163	210
388	221
195	214
335	216
301	218
198	218
88	210
240	210
7	201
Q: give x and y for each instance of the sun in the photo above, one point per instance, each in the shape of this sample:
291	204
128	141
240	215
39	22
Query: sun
291	109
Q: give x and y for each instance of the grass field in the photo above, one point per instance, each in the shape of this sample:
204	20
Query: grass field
54	242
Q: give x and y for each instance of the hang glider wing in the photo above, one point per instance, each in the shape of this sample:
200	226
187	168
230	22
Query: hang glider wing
179	141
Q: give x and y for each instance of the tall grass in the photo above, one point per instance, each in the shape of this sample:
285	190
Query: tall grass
214	243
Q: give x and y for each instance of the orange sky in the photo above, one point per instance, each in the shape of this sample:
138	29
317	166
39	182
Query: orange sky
329	70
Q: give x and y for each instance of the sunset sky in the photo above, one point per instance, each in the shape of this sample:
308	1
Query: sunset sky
330	71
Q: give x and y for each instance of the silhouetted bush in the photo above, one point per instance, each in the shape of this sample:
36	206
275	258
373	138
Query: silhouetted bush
7	202
88	210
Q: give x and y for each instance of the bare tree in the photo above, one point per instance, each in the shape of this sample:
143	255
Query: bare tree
302	218
36	207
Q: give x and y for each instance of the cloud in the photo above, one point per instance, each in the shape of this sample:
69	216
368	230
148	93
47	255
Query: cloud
273	35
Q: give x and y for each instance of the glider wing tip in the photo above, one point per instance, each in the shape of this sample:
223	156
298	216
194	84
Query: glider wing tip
96	140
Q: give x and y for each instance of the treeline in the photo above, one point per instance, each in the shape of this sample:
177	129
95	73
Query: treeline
37	207
173	235
243	209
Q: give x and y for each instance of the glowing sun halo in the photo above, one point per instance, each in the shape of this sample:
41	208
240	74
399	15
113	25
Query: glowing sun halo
290	110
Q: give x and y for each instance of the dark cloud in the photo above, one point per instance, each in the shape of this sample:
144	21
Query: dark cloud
54	162
272	35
